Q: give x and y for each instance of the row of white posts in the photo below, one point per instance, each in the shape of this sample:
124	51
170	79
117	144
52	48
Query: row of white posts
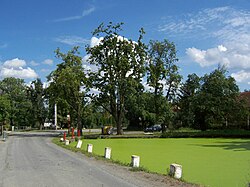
175	169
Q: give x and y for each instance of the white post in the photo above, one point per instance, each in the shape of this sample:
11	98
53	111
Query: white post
79	144
89	148
56	116
176	171
135	161
66	142
107	153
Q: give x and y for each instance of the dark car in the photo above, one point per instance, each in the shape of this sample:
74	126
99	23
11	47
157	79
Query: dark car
153	128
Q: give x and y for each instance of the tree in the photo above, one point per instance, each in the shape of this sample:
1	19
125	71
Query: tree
4	110
67	84
36	95
188	92
217	99
162	71
120	64
15	91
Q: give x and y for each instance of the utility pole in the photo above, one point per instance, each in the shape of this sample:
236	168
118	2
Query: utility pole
68	118
56	116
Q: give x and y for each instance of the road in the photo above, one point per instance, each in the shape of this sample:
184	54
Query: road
30	159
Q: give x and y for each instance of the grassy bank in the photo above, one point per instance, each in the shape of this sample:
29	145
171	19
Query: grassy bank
209	161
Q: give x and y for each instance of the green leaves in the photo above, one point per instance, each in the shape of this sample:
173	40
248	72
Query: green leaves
15	103
210	100
120	64
67	85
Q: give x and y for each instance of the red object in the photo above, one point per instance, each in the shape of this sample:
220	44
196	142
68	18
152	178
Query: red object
73	133
64	136
78	133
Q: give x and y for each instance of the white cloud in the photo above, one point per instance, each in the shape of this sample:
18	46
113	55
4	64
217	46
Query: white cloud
33	63
241	76
14	63
222	48
193	23
15	68
45	70
207	57
72	40
20	72
228	28
46	84
48	62
70	18
95	41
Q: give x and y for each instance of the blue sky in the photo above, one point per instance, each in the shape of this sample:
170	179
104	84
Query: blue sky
206	33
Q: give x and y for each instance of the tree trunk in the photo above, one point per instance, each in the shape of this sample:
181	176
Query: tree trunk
79	120
248	122
41	126
119	126
118	121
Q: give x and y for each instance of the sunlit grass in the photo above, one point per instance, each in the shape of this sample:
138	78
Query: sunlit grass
212	162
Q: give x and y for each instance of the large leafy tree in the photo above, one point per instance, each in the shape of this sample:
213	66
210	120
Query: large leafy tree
36	94
217	99
120	66
188	92
15	91
162	72
138	108
66	85
4	109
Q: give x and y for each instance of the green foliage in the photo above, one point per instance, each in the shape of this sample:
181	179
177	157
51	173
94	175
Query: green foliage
210	101
66	84
36	95
163	71
4	108
162	68
186	102
120	67
15	101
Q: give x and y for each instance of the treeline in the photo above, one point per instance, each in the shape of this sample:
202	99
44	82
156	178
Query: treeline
130	84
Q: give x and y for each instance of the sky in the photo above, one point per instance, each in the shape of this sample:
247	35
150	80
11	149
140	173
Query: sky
207	33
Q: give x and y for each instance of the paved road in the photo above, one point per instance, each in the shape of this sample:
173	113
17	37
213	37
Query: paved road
30	159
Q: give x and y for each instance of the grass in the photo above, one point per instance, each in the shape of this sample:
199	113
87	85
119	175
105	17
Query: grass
209	161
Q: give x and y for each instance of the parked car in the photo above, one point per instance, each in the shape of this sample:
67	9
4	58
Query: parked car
153	128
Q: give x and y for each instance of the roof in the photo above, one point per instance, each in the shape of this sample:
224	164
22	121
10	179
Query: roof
246	96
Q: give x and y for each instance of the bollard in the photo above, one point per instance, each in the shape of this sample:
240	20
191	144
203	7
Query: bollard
176	171
66	142
4	136
89	148
78	133
64	136
107	153
79	144
135	161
